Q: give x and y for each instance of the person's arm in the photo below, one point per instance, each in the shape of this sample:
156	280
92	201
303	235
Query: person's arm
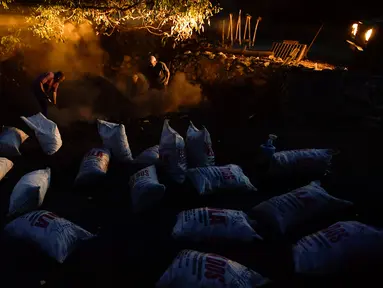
55	93
45	80
42	87
167	73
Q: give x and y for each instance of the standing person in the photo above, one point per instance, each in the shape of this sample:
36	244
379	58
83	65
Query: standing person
46	84
159	74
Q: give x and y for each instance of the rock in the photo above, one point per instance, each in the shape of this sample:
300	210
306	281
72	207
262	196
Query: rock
222	55
266	64
247	62
188	52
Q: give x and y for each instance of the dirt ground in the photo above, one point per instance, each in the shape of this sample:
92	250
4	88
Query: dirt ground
305	108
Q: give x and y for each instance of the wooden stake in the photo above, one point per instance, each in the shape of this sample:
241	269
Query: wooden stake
244	31
239	25
249	29
312	42
256	28
231	29
223	33
236	31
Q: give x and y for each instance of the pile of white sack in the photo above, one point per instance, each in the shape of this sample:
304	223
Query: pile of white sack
322	241
193	159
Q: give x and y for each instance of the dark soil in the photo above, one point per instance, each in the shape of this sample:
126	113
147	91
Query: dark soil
306	109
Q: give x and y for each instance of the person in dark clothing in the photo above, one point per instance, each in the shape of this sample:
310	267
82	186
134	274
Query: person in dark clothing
46	84
159	74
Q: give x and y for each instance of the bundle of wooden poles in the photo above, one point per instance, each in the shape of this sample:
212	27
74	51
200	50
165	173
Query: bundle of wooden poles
238	32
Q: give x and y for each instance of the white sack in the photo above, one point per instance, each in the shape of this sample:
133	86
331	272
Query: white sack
114	138
199	147
192	269
301	161
149	156
172	153
46	132
208	179
28	194
204	224
328	250
10	140
5	166
145	188
281	214
95	163
56	236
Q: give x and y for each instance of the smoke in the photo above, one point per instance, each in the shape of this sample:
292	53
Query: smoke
67	116
86	94
180	93
92	104
80	53
14	20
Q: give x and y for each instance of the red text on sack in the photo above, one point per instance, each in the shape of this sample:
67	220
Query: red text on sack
226	173
215	269
305	198
335	233
43	222
217	216
96	153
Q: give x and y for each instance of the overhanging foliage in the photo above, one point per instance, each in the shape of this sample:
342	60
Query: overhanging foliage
176	19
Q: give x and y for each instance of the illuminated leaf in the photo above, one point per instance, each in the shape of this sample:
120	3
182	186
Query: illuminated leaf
176	19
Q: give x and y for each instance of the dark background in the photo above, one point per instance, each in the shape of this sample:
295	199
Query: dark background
307	11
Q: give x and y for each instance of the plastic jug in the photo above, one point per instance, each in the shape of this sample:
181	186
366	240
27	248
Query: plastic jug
268	149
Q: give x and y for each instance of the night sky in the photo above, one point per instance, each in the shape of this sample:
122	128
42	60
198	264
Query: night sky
305	11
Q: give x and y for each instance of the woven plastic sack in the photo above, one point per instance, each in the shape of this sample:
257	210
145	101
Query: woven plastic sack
10	140
149	156
192	269
114	138
56	236
210	223
285	213
29	192
46	131
208	180
199	147
5	166
328	250
172	153
301	161
94	164
145	188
